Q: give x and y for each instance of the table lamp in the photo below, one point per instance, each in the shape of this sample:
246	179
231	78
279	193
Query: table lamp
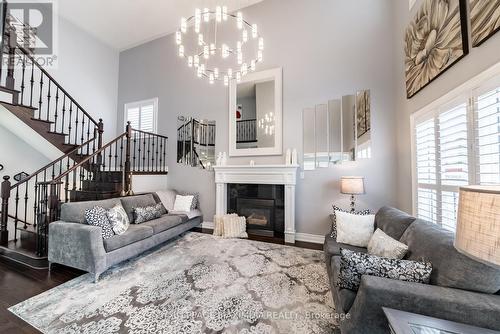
478	224
352	185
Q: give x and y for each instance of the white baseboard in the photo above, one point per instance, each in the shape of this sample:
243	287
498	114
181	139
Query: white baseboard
305	237
209	225
312	238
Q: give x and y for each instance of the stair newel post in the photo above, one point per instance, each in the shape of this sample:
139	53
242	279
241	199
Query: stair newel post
100	131
5	190
127	171
11	40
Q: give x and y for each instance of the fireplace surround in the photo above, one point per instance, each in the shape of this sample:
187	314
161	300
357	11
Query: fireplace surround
283	175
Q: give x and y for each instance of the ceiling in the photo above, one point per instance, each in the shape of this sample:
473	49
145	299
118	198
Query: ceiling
123	24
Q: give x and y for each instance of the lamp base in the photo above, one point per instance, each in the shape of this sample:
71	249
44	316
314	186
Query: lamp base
353	204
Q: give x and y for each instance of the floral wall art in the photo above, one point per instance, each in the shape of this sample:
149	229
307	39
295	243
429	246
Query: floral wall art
485	19
435	40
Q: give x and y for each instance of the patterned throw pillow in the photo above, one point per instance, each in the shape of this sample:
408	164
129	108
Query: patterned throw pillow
148	213
384	246
98	216
118	219
333	218
353	265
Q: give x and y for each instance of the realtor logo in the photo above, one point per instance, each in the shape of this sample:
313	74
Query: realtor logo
35	25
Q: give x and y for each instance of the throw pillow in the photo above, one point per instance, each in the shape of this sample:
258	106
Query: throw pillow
148	213
183	203
196	199
118	219
218	226
98	216
333	218
167	197
353	265
383	245
234	226
354	230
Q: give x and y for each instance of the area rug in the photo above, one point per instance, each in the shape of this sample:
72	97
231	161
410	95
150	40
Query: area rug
195	284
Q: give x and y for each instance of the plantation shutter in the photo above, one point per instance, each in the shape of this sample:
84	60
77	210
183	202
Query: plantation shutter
487	133
426	170
142	115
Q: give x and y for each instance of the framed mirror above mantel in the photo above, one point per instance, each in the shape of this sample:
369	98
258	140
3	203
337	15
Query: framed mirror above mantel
256	114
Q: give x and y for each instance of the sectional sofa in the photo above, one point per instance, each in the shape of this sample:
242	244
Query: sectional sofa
76	244
460	289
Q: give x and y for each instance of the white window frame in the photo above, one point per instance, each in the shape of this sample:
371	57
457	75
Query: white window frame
465	92
139	104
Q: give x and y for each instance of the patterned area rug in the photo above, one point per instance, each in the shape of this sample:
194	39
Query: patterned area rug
195	284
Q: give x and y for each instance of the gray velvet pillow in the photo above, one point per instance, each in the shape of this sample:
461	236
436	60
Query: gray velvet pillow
353	265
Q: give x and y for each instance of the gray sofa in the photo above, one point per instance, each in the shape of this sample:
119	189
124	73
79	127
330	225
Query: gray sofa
461	289
74	243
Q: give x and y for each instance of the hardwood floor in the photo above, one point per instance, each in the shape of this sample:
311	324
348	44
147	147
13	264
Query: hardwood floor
18	283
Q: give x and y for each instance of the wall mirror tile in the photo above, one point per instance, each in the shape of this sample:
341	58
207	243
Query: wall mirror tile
255	114
337	131
195	142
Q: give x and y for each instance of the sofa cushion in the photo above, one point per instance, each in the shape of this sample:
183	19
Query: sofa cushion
133	234
165	222
343	298
167	198
450	268
332	248
132	202
74	212
393	221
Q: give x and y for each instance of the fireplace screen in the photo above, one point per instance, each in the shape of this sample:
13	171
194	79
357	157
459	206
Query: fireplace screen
262	205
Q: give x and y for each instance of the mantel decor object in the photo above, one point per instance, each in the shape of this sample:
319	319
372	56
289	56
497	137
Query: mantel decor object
352	185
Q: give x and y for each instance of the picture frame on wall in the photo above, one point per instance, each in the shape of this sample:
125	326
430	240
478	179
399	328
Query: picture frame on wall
435	40
485	20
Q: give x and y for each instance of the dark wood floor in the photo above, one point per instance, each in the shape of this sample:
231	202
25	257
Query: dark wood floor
18	283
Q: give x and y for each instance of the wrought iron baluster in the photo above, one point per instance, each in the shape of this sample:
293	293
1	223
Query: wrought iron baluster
76	125
121	155
32	84
63	114
16	219
22	80
56	115
48	101
69	120
83	129
40	97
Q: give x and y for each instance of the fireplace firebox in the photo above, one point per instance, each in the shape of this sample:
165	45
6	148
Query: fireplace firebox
262	205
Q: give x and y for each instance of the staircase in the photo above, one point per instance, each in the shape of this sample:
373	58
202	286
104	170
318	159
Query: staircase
87	169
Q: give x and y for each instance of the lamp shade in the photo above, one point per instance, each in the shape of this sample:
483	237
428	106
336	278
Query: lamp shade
478	224
352	185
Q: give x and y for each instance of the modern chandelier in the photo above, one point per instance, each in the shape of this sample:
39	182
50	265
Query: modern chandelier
216	44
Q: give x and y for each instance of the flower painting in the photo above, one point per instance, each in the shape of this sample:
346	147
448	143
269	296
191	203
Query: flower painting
485	19
435	40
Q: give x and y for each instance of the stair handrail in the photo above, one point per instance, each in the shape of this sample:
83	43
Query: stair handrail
27	54
58	179
49	165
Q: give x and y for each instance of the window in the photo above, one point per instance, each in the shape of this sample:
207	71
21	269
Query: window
456	142
142	115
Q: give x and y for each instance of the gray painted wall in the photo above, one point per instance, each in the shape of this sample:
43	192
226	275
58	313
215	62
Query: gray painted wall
478	60
88	71
327	48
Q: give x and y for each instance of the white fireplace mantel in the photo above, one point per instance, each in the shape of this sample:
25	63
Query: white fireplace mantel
259	174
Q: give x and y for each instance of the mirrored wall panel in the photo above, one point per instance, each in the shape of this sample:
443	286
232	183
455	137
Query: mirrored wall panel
195	142
337	131
255	114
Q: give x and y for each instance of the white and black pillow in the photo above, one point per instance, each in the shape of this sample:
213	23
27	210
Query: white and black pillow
196	199
333	218
353	265
144	214
118	219
98	216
